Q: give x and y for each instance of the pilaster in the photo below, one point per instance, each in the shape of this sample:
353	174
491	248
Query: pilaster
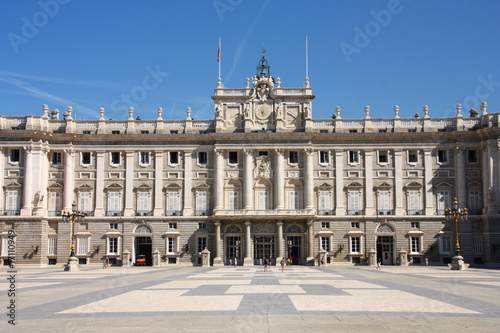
188	175
248	240
217	260
339	183
429	198
28	182
309	179
398	181
99	184
158	190
369	208
219	178
280	241
310	239
247	179
129	184
461	193
279	187
69	176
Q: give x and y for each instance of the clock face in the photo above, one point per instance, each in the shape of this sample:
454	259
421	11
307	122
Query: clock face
263	111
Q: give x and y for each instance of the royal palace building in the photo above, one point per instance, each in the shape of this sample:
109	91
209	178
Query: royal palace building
262	179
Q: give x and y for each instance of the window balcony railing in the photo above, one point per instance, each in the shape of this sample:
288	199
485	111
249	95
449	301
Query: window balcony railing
414	212
54	213
355	212
88	212
144	213
10	212
478	211
202	212
326	212
173	213
385	212
114	213
264	212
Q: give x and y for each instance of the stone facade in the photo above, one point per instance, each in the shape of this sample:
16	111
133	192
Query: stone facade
262	179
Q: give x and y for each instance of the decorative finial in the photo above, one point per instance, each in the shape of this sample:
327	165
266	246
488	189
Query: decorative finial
459	110
367	112
68	113
101	112
248	83
160	111
278	82
396	111
131	113
416	116
55	114
45	111
337	110
219	83
188	111
306	84
483	108
426	112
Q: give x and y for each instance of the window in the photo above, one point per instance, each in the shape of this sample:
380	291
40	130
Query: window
477	244
382	130
353	157
202	203
15	155
415	225
86	132
144	158
13	204
172	225
113	245
294	200
354	203
325	203
52	246
413	204
263	200
293	157
113	226
233	157
172	203
202	158
174	157
84	203
174	132
202	225
325	243
144	132
85	156
355	244
445	245
355	225
54	203
233	200
325	225
474	202
472	156
415	244
262	153
114	203
324	157
82	245
143	202
56	158
412	156
443	201
7	250
353	131
115	157
201	244
442	156
384	202
171	245
115	132
383	156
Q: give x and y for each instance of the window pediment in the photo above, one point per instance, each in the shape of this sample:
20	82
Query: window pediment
444	184
114	187
143	187
413	185
384	185
84	188
55	187
354	185
13	185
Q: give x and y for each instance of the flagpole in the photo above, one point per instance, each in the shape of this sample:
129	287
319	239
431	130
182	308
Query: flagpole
218	58
307	61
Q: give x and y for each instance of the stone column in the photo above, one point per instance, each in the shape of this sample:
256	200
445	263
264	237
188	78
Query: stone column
2	175
99	184
217	260
248	255
188	179
495	182
129	183
369	207
461	192
429	198
486	178
69	176
247	179
279	179
280	242
398	182
219	178
339	183
310	258
28	182
309	179
42	174
158	187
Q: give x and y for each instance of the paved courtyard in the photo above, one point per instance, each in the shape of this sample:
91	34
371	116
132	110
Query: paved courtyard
247	299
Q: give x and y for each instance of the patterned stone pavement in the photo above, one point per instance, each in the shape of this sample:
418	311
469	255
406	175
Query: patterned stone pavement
247	299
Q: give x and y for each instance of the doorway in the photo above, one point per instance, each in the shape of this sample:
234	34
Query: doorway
143	249
233	250
293	249
263	247
385	250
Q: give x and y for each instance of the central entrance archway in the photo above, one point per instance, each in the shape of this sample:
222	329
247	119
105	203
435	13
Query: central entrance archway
143	250
263	247
386	252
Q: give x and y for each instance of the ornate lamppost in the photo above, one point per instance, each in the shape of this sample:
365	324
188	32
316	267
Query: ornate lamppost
73	216
457	214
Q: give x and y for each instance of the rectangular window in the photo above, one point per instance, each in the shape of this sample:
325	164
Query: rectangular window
262	153
114	202
384	202
115	157
324	157
353	157
202	225
202	158
56	158
294	200
115	132
472	156
355	245
113	226
325	243
263	200
85	158
15	155
172	225
144	157
415	244
477	244
383	156
13	205
293	157
474	202
412	156
84	203
355	225
202	244
171	245
354	207
82	245
202	203
54	203
413	204
172	202
143	202
233	157
174	157
445	245
233	200
325	225
442	156
112	245
443	201
52	246
325	202
415	225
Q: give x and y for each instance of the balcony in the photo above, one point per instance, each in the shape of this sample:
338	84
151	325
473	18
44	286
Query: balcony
414	212
385	212
300	213
202	212
144	213
173	213
10	212
114	213
88	212
355	212
326	212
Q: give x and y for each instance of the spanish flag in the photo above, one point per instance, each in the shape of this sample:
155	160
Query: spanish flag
218	54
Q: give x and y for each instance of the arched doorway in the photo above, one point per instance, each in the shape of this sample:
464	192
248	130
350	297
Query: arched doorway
264	243
294	234
143	246
386	244
233	245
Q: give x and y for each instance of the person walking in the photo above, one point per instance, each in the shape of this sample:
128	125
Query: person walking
282	264
265	264
379	264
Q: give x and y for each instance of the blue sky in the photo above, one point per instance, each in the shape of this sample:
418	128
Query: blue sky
146	54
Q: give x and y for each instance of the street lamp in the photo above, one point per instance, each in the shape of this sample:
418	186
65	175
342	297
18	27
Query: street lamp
73	216
457	214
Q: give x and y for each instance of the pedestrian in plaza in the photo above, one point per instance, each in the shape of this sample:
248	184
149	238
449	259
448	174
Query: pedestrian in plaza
282	264
265	264
379	264
260	262
322	261
291	260
235	262
426	261
230	262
